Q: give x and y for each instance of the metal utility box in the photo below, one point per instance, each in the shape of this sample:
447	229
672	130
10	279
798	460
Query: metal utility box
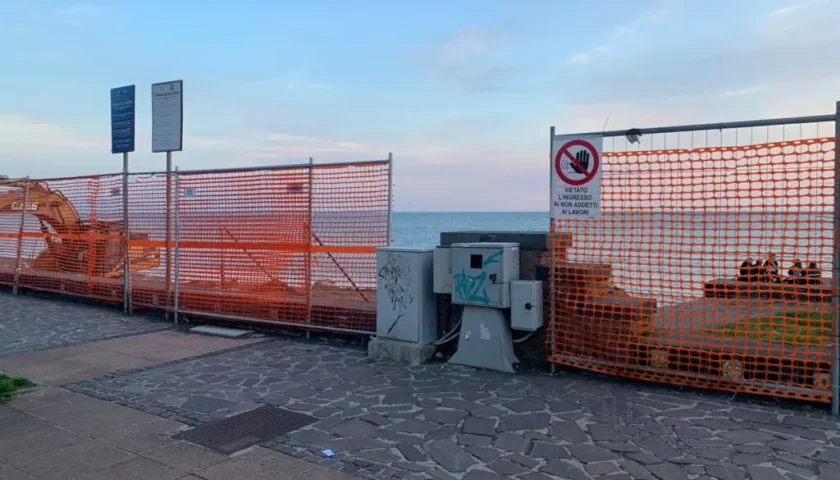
526	305
405	304
443	270
482	272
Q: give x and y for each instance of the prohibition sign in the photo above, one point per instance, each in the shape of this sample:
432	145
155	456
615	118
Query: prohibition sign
589	174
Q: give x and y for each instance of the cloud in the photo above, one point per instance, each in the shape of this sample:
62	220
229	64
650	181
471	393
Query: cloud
21	133
632	26
619	34
291	81
286	145
581	57
79	15
782	57
310	86
745	91
468	59
786	10
465	45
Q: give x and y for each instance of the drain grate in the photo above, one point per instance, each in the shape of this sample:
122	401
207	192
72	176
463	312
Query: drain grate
241	431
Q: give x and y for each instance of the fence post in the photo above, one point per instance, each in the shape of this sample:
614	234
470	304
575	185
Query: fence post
551	303
390	193
309	237
93	221
177	242
18	259
168	247
126	234
835	371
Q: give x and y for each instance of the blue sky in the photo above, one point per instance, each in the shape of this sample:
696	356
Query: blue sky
462	92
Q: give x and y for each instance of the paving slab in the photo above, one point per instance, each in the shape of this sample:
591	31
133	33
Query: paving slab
144	437
99	358
15	448
185	456
259	464
31	323
8	472
135	469
74	460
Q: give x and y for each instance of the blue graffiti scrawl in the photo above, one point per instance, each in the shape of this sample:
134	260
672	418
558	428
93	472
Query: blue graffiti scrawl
470	288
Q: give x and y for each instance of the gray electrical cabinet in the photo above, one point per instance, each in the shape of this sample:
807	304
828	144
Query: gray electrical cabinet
526	305
406	307
443	270
482	272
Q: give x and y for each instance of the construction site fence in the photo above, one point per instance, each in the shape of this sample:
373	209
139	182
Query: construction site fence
287	245
714	263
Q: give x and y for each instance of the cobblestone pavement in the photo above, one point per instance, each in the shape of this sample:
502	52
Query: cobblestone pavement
435	421
28	324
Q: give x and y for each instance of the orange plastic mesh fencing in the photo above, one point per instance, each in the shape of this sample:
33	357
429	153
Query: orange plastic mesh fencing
242	245
150	285
350	220
11	218
287	245
710	267
68	239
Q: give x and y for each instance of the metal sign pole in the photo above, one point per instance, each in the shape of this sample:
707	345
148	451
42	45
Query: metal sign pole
126	236
168	137
123	110
551	303
18	259
177	236
835	371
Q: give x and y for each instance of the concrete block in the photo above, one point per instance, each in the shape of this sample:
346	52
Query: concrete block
526	240
221	332
402	352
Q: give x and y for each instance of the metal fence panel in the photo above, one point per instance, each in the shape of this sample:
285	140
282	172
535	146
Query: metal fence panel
656	289
287	245
68	239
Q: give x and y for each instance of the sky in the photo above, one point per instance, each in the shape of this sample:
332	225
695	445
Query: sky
463	93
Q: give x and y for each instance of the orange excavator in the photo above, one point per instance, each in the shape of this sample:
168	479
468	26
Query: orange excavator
74	245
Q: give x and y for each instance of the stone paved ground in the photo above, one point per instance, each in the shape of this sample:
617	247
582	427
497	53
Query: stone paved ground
28	324
434	421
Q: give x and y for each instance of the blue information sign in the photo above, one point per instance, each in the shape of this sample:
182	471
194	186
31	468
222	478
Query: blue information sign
122	119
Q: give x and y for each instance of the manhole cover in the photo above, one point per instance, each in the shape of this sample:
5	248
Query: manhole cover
235	433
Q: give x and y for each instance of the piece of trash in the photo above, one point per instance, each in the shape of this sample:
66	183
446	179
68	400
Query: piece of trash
328	452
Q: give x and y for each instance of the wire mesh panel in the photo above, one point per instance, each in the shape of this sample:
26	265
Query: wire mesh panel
350	220
242	243
291	245
150	283
710	265
12	216
71	236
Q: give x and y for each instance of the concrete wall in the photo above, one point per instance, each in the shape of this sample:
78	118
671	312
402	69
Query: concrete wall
533	252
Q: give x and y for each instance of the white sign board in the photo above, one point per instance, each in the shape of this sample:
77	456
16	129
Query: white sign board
167	116
576	177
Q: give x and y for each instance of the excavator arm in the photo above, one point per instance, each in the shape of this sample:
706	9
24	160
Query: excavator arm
70	240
